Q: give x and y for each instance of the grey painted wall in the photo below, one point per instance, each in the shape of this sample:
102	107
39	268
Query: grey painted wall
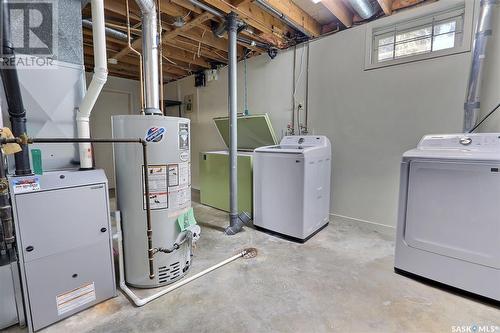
372	116
269	90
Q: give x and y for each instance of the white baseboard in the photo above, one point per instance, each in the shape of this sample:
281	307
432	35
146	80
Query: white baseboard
367	225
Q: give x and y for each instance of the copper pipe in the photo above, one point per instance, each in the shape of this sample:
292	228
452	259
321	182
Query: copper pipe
160	57
120	27
129	46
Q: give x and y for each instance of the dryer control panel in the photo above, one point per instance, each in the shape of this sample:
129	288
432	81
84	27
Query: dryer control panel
466	141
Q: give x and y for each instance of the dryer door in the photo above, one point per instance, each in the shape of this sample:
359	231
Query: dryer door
453	209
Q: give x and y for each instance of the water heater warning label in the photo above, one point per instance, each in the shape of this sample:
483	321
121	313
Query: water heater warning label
158	186
183	136
75	298
184	174
173	175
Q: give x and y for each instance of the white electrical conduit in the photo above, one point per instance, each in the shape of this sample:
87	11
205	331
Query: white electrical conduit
143	301
98	80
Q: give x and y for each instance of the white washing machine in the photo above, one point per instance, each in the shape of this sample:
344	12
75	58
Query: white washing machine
292	186
449	212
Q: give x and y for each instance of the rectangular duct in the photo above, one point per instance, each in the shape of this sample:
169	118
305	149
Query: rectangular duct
51	95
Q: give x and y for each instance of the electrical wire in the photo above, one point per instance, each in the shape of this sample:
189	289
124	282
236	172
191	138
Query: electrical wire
484	118
300	73
247	51
296	83
182	18
170	61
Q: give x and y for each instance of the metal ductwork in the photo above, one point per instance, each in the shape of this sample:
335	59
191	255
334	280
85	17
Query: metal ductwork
150	55
116	34
13	95
251	42
207	8
364	8
484	31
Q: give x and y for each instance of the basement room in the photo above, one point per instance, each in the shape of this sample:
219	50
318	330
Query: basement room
250	166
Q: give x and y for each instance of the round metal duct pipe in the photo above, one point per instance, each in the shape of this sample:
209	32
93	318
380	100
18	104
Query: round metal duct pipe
150	55
364	8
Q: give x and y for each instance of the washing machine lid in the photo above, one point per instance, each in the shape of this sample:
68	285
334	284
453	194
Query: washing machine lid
473	146
298	145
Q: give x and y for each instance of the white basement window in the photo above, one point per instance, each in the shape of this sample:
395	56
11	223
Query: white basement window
433	35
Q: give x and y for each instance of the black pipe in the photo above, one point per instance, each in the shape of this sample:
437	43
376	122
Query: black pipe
12	89
24	140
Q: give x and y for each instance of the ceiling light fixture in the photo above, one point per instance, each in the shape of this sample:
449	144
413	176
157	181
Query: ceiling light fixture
316	1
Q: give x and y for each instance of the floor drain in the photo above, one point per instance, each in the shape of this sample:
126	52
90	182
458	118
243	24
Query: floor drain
250	253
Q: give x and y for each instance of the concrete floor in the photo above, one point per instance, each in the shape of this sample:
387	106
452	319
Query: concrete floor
341	280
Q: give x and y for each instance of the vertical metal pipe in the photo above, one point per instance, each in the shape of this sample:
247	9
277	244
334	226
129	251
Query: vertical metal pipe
13	92
232	31
293	89
150	55
484	30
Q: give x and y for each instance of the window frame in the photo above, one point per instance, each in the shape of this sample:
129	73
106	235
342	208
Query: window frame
441	11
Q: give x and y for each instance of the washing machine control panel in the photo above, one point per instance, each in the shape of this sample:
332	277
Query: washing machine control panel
305	140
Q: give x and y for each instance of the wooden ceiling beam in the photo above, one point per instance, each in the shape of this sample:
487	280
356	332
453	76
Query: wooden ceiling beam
401	4
240	2
172	9
175	70
182	55
119	7
133	71
386	6
132	62
194	49
297	15
339	10
255	17
206	37
137	43
241	46
188	25
186	4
